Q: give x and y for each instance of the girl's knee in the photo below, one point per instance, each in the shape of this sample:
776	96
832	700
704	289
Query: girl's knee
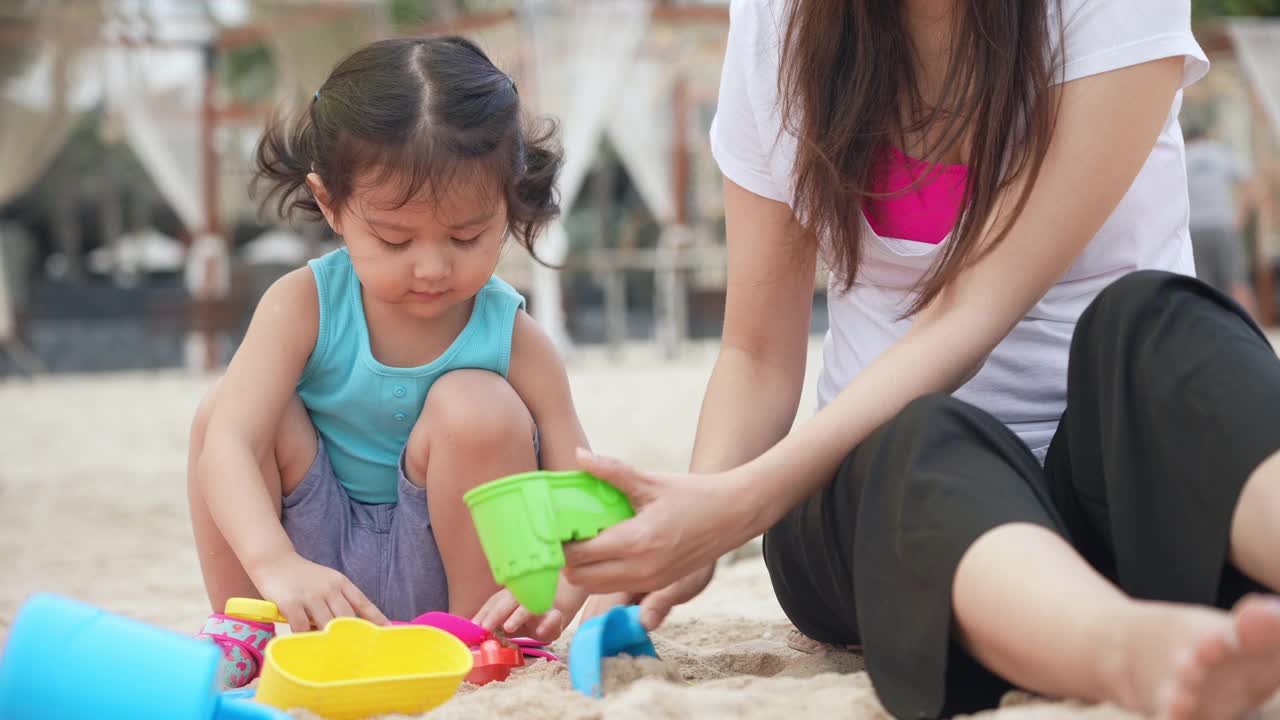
475	407
475	412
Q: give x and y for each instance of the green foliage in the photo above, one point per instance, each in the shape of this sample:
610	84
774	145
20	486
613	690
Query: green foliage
408	14
249	72
1212	8
411	13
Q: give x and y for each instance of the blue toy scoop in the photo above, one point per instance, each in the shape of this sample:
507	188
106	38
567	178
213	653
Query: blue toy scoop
617	632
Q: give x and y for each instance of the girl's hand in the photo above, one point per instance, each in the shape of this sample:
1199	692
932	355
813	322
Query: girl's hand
503	612
683	524
310	595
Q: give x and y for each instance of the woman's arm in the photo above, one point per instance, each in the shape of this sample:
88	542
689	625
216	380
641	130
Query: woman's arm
755	387
1106	127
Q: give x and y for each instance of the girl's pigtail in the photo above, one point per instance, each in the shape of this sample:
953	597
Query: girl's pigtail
284	156
538	163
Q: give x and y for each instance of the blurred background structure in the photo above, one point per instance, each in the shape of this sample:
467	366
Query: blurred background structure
128	239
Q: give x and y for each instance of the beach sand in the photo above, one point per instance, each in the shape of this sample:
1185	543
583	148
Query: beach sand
93	505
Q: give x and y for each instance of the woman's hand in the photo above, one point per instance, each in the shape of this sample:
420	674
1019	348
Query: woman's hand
598	605
683	524
654	606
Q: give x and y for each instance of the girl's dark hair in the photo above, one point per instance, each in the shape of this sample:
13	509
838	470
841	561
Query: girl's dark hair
426	114
847	87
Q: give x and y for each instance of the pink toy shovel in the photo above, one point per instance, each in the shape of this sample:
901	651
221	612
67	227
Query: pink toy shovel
474	634
493	656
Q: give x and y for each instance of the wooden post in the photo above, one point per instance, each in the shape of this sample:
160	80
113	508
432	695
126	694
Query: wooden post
680	150
206	280
209	153
209	164
673	320
67	233
603	181
111	214
615	303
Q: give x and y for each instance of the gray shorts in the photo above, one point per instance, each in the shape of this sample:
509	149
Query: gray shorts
1220	257
387	550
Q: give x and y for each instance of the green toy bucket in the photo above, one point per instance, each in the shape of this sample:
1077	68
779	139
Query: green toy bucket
524	519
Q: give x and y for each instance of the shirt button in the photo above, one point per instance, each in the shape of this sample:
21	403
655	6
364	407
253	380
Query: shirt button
399	391
400	416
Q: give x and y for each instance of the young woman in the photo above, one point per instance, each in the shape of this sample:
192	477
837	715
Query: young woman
1045	454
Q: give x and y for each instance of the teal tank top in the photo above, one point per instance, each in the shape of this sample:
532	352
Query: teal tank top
364	410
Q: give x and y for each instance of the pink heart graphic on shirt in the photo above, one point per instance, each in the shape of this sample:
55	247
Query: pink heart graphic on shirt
241	665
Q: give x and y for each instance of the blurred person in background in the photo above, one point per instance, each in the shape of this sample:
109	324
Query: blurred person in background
1218	187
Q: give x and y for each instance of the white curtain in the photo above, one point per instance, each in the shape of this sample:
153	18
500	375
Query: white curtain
155	96
581	51
35	118
640	129
33	129
1257	44
306	51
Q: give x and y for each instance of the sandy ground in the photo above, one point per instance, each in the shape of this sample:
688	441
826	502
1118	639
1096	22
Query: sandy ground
92	504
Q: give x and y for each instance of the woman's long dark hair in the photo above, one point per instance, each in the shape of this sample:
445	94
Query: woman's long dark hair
424	113
848	88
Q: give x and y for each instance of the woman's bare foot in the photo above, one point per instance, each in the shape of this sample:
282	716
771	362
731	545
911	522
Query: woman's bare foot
1229	671
797	640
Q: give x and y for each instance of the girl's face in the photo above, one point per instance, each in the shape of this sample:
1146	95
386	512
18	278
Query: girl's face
423	258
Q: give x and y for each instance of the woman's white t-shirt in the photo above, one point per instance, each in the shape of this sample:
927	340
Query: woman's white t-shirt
1023	383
